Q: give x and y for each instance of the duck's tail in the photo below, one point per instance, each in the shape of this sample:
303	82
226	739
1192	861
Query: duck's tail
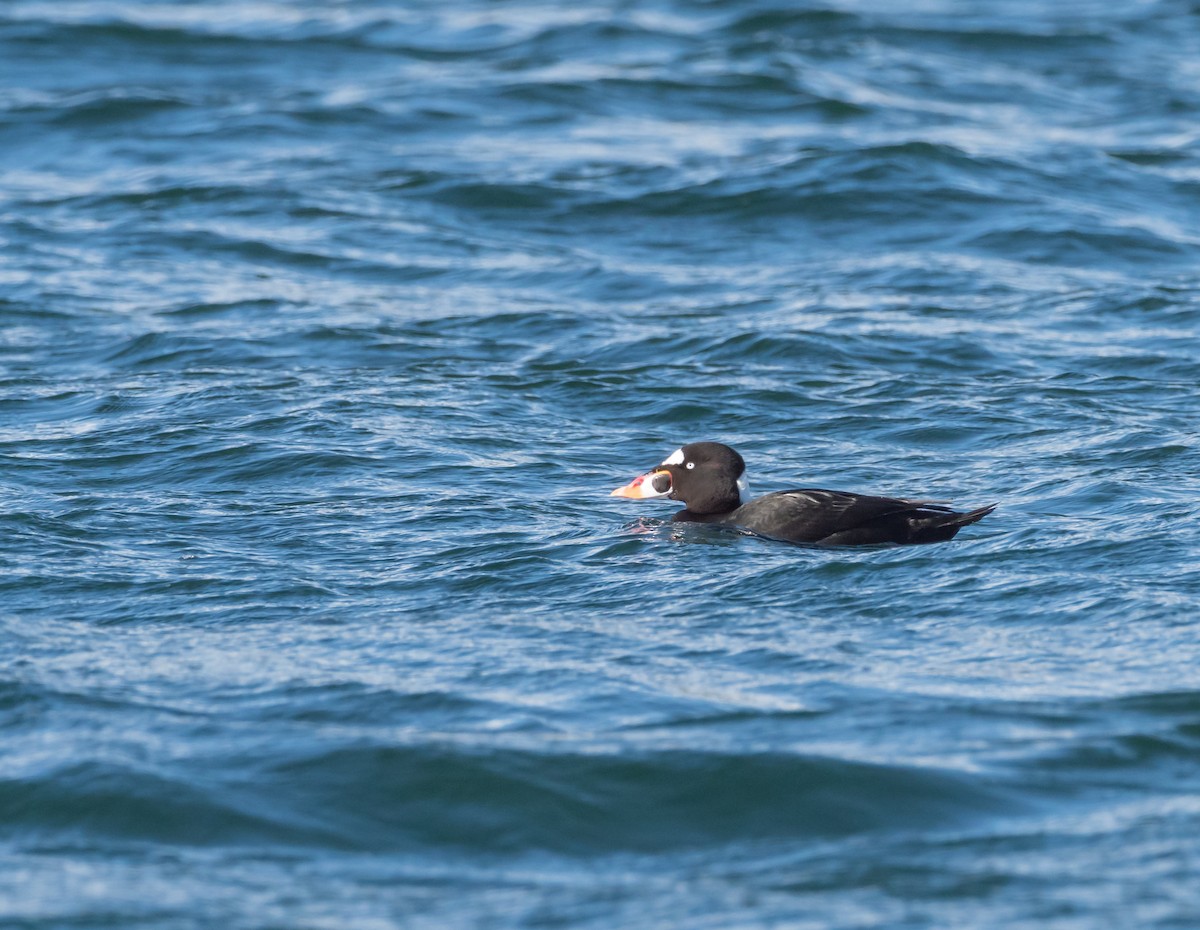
942	526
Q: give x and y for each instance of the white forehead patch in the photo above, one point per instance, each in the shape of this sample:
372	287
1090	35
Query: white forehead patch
675	458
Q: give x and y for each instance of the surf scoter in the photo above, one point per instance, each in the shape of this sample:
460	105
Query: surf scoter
707	477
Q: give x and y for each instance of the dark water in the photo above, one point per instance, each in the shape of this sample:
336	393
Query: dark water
327	328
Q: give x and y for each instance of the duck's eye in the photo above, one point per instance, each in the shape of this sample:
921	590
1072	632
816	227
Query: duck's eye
691	465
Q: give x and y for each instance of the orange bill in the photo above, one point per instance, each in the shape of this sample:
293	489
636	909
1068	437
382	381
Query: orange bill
653	484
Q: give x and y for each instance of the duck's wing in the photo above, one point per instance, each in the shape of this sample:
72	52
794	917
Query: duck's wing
817	515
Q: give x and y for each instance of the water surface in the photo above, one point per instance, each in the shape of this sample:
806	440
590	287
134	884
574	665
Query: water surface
325	331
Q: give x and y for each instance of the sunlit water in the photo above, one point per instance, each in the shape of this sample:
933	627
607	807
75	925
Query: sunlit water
325	330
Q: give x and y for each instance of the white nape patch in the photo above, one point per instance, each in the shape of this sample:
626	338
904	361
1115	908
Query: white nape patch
743	488
675	458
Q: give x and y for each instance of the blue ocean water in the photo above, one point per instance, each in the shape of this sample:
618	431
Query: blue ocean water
326	329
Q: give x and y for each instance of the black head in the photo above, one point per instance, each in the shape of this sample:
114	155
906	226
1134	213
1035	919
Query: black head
704	475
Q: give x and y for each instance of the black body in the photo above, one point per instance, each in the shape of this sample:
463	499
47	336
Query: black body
707	483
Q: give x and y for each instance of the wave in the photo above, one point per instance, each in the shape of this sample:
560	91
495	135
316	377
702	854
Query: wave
408	798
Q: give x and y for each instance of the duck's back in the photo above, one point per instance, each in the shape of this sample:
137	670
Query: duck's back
837	518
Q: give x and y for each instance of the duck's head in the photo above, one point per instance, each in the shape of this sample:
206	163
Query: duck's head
707	476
